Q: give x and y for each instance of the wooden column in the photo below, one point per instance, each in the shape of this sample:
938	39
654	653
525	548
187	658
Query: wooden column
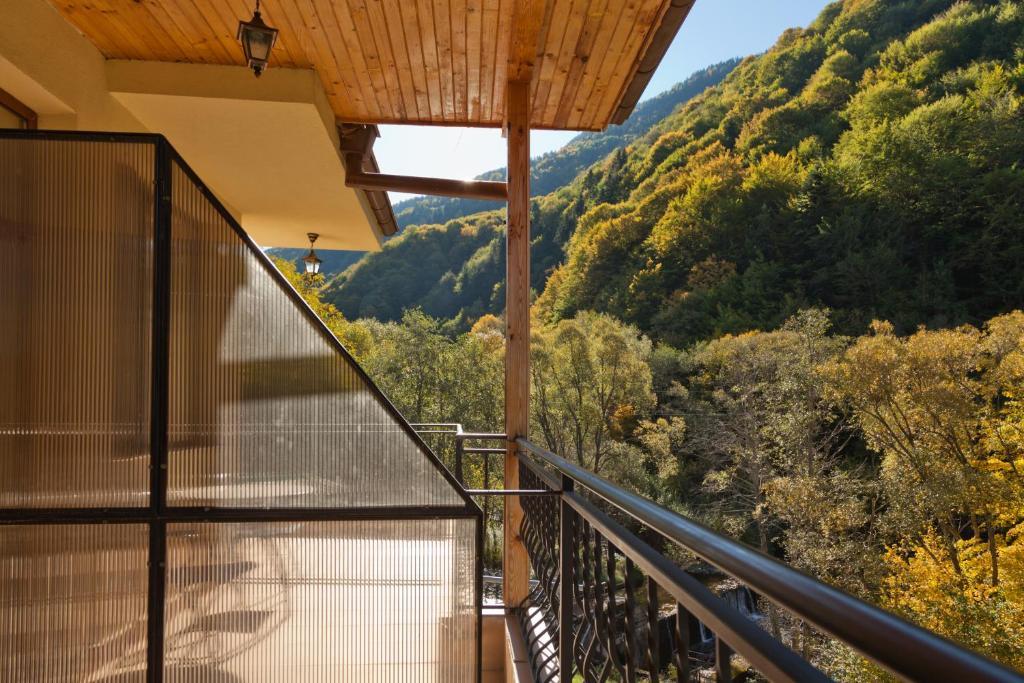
517	330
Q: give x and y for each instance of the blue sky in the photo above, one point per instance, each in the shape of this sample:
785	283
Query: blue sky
716	30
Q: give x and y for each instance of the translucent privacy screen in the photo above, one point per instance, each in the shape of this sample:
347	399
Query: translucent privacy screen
76	276
264	411
197	483
73	602
321	601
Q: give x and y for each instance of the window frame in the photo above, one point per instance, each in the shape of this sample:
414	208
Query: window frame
12	104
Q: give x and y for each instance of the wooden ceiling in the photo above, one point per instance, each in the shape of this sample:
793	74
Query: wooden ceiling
418	61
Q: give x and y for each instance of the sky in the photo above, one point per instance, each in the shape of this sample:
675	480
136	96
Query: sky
716	30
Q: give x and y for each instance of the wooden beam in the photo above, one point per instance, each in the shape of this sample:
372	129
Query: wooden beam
472	189
517	332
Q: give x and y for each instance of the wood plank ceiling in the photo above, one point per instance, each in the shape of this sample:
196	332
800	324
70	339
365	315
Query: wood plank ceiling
414	61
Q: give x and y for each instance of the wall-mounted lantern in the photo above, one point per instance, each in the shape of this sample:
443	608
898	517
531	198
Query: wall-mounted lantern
310	259
257	41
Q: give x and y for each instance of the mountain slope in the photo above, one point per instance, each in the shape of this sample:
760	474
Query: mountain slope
871	163
555	169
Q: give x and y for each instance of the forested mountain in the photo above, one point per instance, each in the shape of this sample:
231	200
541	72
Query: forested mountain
554	169
870	163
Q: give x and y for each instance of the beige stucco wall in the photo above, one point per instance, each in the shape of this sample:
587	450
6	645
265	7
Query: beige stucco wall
268	146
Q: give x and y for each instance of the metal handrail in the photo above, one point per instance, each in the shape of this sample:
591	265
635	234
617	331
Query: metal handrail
906	650
456	430
460	436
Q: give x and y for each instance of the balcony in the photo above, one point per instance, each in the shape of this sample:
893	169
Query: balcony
200	484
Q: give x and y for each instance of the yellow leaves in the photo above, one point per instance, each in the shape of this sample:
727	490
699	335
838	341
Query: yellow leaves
623	421
710	273
775	174
660	439
490	329
882	328
965	607
991	465
1004	343
865	375
710	181
936	405
717	481
802	498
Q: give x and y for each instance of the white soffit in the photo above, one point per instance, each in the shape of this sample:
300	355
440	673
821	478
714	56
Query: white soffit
266	146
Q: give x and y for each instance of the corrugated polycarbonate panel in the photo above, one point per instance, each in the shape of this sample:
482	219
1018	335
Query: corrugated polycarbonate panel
358	601
76	232
73	603
264	410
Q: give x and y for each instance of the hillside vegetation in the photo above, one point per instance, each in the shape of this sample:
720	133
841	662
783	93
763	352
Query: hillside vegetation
870	163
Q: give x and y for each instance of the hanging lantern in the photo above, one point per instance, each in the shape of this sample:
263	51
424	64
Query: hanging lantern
310	259
257	41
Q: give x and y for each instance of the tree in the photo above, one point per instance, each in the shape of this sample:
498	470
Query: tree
757	412
354	337
964	607
938	405
591	385
941	407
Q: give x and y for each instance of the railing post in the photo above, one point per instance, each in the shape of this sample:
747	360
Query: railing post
458	462
723	660
566	582
159	409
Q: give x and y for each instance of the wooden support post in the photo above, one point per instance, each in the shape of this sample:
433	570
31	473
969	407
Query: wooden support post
516	573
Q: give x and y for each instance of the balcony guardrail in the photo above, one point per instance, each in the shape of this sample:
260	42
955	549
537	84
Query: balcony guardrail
592	615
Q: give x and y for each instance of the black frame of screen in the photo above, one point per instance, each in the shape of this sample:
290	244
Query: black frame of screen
157	515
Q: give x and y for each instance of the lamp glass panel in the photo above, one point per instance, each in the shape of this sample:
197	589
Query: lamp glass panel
260	43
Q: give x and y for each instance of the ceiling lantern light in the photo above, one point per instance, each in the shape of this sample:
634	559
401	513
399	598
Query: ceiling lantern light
257	41
310	259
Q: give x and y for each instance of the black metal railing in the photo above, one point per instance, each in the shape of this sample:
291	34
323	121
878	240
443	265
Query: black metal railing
609	606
